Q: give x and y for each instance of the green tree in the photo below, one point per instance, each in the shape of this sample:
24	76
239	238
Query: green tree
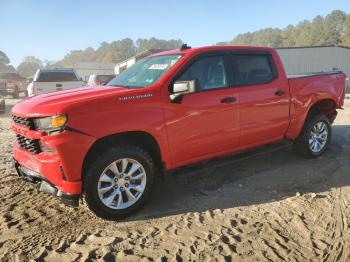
242	39
346	30
222	43
317	33
303	34
333	27
154	43
4	58
29	66
289	36
116	51
271	37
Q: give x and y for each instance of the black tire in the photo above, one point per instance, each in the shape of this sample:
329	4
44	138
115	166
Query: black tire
90	187
301	144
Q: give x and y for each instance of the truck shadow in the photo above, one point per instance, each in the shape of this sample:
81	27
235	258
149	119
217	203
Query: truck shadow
260	176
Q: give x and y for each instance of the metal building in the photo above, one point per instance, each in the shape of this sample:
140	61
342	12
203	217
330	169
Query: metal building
297	60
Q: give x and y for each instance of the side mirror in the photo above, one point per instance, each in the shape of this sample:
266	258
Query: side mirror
181	88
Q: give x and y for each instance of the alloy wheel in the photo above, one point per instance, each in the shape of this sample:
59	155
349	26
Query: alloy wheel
122	183
318	137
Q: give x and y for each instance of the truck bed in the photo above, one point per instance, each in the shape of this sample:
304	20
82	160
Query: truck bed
307	89
310	87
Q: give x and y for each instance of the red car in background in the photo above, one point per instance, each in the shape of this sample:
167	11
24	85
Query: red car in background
14	84
108	144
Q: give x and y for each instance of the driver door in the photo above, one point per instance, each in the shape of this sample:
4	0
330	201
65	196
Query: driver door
204	123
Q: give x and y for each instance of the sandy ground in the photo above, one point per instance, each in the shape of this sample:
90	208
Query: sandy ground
267	204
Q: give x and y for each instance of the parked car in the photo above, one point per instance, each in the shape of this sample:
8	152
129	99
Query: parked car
99	80
2	104
14	84
54	79
108	145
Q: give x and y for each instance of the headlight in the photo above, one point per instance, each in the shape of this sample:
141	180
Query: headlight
50	123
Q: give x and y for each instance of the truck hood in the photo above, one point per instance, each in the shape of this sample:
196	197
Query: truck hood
52	103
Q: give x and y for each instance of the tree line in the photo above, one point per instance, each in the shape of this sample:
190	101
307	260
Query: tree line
332	29
117	51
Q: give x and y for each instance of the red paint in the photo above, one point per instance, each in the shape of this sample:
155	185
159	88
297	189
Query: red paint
199	128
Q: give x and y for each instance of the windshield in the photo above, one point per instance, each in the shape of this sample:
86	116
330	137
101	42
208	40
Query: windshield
145	72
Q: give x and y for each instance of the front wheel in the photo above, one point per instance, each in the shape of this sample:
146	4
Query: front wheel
119	182
315	137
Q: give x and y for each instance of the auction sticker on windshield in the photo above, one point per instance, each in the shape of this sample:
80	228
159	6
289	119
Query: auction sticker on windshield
158	66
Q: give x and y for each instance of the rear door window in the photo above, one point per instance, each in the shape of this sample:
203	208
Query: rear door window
253	69
56	77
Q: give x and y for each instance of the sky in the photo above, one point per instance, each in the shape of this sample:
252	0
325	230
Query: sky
50	29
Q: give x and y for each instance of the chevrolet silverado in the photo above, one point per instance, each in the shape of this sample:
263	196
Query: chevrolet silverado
108	144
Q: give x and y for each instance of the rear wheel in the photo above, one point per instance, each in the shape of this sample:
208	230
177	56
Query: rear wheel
119	182
315	137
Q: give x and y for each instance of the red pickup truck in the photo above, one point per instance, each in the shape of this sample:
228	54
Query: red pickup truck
108	144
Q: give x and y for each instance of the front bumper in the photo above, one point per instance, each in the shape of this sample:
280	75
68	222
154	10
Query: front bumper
60	167
38	181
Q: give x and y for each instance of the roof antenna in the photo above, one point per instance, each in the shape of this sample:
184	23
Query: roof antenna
184	46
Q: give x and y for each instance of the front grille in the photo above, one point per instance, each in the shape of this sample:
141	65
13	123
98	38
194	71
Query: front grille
28	122
31	145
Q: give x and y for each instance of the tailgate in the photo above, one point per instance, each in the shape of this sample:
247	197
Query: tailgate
47	87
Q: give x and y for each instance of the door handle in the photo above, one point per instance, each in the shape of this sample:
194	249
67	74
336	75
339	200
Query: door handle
229	99
280	93
58	85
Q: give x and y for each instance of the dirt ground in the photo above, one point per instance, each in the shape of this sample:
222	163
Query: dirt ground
267	204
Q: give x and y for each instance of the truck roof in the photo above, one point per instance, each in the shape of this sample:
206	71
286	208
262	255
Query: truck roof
212	48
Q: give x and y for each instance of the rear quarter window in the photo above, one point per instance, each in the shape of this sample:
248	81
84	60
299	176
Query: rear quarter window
253	69
57	77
